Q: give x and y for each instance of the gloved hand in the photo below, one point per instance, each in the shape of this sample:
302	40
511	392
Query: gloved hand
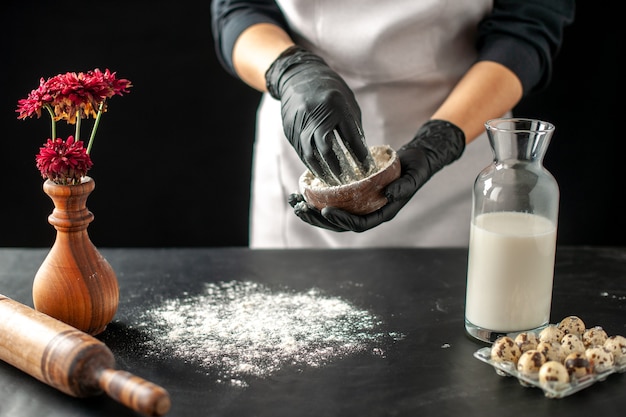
316	102
436	144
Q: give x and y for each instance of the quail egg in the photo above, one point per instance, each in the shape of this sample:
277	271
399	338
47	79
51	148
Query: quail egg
526	341
504	349
600	359
571	343
551	350
595	336
530	362
572	325
553	374
577	365
551	333
617	346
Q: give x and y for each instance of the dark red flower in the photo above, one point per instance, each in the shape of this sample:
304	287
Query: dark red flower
31	105
64	162
71	96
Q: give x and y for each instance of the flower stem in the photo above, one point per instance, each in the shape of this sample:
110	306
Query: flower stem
52	121
95	127
78	123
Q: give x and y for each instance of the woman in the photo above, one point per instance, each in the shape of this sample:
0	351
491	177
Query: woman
379	72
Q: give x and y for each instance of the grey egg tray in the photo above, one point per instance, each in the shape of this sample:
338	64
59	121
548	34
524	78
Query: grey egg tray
550	391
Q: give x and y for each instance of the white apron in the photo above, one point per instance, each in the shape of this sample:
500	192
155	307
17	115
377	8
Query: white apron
401	58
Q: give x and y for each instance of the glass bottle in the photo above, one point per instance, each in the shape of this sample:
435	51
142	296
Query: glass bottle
513	233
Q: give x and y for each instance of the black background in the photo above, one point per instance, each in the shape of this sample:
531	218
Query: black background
172	158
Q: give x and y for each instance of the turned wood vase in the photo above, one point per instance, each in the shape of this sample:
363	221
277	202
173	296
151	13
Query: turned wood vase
75	283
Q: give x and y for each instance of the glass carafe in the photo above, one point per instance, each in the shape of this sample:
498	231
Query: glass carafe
513	233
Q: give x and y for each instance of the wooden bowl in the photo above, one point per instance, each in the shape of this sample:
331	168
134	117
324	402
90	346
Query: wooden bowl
360	197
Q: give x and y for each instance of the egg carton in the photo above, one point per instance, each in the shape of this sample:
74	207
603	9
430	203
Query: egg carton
508	369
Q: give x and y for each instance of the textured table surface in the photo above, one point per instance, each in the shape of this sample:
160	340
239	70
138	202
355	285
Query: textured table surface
375	333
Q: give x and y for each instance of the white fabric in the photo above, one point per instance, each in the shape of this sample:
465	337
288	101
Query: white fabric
401	58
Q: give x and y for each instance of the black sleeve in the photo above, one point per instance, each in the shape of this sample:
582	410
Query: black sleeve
525	36
231	17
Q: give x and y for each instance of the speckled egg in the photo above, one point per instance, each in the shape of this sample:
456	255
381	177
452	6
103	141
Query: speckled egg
571	343
595	336
554	375
551	333
572	325
617	346
504	349
577	365
551	350
600	359
530	362
526	341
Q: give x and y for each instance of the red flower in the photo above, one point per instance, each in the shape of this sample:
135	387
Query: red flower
73	94
70	97
27	107
64	162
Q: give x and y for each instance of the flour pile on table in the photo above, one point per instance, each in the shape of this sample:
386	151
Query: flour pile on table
243	328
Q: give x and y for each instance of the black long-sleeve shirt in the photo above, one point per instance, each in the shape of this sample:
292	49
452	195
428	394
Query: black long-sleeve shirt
523	35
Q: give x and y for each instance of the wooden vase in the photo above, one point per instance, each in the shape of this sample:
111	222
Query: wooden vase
75	283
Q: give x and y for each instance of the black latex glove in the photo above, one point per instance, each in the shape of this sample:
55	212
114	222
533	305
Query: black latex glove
436	144
315	102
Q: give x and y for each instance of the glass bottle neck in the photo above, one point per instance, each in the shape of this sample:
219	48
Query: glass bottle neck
519	139
521	146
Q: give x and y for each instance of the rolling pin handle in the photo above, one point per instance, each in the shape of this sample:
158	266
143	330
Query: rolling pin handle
135	392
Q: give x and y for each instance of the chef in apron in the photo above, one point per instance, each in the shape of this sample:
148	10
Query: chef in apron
407	63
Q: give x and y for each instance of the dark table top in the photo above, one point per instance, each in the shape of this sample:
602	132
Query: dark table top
394	318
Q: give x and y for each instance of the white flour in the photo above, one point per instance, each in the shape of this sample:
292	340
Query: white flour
243	328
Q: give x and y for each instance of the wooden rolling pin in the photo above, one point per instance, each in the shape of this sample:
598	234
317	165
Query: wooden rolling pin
70	360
